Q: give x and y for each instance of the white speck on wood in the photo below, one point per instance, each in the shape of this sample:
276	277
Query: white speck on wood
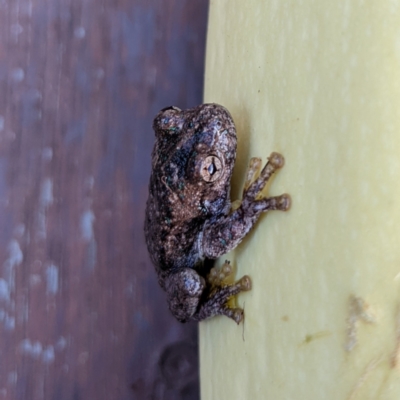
48	355
37	351
52	279
87	232
46	193
9	322
4	291
16	29
47	154
15	258
87	220
17	74
45	200
80	32
33	349
61	344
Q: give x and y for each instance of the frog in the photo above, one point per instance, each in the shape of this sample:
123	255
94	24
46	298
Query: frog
189	217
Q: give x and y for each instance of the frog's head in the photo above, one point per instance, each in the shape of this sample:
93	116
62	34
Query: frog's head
195	154
213	157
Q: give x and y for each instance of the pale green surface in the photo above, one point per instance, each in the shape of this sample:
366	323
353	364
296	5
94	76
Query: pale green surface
317	81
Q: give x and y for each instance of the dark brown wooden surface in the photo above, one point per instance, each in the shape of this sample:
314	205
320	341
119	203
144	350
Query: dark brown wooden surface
81	313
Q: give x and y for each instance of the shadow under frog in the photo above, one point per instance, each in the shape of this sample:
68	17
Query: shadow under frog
189	215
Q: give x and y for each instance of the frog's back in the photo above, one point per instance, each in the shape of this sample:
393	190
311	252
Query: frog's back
192	164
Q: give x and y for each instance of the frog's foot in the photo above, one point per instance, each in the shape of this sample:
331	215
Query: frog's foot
256	180
218	275
220	293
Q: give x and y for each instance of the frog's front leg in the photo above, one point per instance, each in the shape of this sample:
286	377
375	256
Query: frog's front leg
217	294
224	233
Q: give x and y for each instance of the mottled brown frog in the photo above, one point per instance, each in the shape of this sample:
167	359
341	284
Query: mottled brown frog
189	215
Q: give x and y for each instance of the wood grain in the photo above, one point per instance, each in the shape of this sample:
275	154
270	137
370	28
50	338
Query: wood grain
81	313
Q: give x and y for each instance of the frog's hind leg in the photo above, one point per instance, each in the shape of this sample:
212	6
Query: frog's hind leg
220	293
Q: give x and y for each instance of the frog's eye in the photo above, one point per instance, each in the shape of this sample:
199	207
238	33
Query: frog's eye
171	108
218	124
168	121
211	169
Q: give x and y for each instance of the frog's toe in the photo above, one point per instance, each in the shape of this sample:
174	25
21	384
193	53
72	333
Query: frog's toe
218	274
237	314
276	160
284	202
244	283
